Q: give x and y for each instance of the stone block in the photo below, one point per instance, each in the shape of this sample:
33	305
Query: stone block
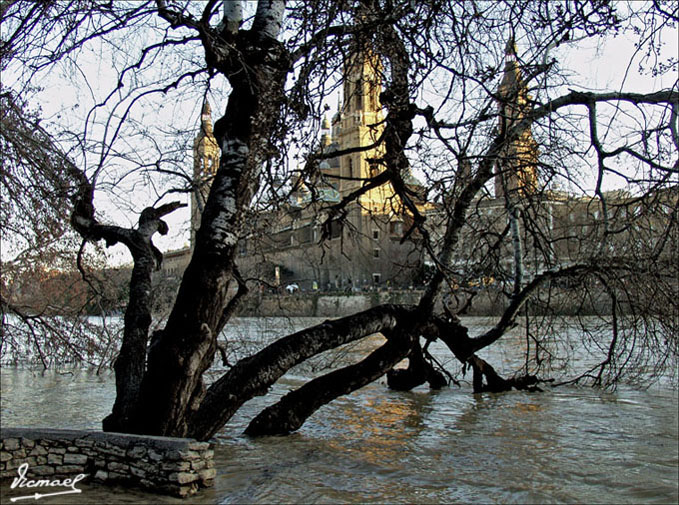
38	450
183	491
41	470
72	448
101	475
140	473
136	452
117	476
84	443
112	450
70	470
28	443
176	466
75	459
5	456
183	477
118	467
58	450
154	456
11	444
55	459
150	468
41	460
198	446
198	464
190	455
208	474
208	454
13	464
147	483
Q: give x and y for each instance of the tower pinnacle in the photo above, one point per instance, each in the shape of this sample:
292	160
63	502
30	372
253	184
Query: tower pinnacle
206	118
517	171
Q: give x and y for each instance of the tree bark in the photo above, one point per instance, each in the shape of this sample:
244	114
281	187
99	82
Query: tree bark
172	388
253	376
294	408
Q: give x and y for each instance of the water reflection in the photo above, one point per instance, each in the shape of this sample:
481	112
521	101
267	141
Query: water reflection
567	445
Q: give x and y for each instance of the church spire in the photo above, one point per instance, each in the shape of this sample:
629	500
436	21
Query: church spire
326	135
206	155
206	118
517	172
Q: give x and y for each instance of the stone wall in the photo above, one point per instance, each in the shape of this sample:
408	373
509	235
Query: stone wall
487	302
175	466
310	304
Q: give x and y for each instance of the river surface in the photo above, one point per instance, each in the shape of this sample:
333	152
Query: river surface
568	444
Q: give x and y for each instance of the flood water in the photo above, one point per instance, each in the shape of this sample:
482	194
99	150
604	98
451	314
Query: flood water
569	444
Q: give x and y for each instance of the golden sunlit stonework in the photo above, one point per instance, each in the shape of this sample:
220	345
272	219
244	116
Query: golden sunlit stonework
366	250
517	168
206	155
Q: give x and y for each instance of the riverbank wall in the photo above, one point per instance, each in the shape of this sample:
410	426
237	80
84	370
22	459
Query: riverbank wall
175	466
337	304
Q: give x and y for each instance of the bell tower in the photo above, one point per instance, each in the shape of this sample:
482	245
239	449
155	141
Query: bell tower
517	168
206	155
361	124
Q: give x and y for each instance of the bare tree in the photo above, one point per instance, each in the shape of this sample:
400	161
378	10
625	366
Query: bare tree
462	106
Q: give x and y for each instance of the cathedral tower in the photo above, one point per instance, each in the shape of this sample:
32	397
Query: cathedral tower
517	169
206	155
360	124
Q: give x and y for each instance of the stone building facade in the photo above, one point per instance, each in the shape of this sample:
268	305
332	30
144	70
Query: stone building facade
284	247
365	249
294	246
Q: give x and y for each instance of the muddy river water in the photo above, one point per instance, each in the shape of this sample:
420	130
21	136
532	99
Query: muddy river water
569	444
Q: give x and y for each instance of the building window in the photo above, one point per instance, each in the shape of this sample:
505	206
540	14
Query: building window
359	94
376	278
376	234
376	253
351	167
396	228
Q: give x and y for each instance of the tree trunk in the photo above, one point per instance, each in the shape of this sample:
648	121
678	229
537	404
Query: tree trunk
254	375
294	408
172	388
130	363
